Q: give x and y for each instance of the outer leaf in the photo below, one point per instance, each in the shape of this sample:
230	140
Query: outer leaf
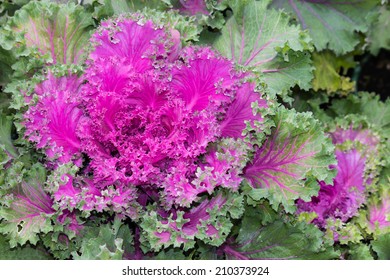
280	75
207	252
360	252
332	24
285	167
210	222
109	8
68	235
6	61
379	35
61	30
21	253
8	8
27	215
171	254
108	244
256	45
327	73
367	105
277	240
5	136
382	247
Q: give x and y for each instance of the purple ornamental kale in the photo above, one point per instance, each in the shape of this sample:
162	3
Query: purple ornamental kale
343	198
364	136
147	117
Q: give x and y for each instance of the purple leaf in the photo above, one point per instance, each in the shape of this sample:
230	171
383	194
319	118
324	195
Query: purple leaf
240	111
52	121
342	198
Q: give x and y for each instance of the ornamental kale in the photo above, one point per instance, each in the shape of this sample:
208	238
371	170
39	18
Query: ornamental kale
192	130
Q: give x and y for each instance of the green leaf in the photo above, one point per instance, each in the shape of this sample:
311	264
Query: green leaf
26	252
8	8
290	162
60	30
109	243
360	252
278	240
65	240
379	35
6	143
108	8
264	212
367	105
171	254
264	41
280	75
332	24
382	247
310	102
207	252
6	61
330	70
187	26
346	233
25	213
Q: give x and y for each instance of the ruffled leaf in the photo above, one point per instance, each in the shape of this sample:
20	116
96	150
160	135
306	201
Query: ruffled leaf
202	79
210	221
221	167
171	254
345	196
378	216
285	167
360	252
52	121
194	7
122	38
362	135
